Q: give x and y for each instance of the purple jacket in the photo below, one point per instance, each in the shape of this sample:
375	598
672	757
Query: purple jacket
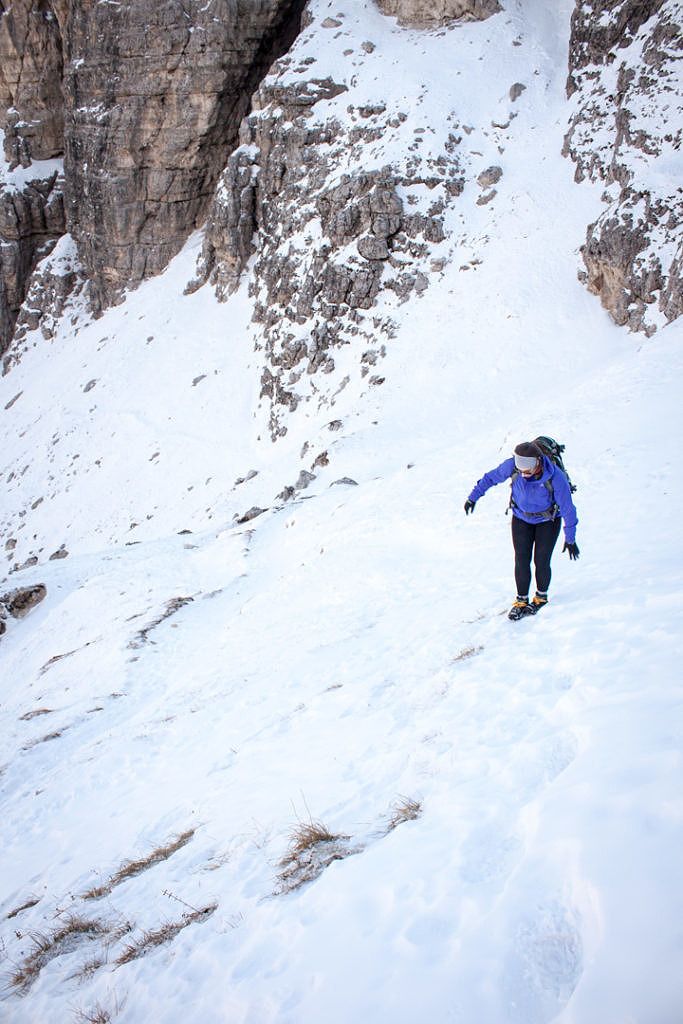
531	496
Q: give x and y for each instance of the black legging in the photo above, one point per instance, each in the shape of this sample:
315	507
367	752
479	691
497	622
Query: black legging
540	538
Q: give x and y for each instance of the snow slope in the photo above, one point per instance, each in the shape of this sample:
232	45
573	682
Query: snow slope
346	652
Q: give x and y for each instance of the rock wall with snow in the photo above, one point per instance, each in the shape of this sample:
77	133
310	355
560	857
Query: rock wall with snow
143	101
146	103
626	85
341	208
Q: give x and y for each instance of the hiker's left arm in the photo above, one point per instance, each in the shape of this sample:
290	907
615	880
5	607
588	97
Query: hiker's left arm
563	497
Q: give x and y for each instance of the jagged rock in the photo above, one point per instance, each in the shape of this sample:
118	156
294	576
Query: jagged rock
31	222
346	480
326	240
599	29
428	13
253	512
305	480
20	602
491	176
58	554
516	91
57	279
624	80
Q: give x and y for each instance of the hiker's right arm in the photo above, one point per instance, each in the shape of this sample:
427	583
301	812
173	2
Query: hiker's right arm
494	476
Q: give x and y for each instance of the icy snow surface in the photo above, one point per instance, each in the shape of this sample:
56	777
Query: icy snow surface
348	651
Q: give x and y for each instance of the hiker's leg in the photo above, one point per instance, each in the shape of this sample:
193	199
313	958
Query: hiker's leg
546	539
523	542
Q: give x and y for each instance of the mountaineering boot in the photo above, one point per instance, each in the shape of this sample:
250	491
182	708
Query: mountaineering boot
520	609
538	601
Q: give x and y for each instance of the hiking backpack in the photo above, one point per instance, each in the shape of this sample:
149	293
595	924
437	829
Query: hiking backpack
553	449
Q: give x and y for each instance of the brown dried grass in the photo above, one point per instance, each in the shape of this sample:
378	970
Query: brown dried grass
403	809
149	940
467	652
130	868
312	848
64	939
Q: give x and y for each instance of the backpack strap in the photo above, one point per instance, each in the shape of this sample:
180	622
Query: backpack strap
550	512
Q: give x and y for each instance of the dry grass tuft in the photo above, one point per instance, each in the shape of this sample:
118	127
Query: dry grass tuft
64	939
312	848
35	714
135	867
171	607
403	809
166	933
90	967
25	906
98	1015
467	652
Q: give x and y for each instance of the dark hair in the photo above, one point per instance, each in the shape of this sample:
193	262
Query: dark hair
529	450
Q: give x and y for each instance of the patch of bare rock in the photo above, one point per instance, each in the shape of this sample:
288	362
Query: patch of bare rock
431	13
624	81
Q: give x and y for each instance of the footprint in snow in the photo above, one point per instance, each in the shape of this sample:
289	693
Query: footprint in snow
489	856
543	966
551	757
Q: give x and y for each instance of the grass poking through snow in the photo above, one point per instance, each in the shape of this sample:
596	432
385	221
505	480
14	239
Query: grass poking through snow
74	931
135	867
149	940
403	809
312	848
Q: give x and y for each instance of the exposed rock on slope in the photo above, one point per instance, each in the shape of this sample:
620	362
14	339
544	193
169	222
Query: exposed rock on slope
625	77
428	13
32	118
31	221
336	223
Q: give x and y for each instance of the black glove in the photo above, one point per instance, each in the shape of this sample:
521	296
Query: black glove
469	506
573	550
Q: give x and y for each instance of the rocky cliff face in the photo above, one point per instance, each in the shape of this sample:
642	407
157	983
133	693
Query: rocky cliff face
625	78
339	235
155	94
31	117
144	101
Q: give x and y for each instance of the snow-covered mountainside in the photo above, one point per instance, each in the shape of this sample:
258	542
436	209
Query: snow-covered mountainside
271	751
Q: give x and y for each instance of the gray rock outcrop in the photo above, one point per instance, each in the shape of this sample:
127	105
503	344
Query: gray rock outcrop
31	222
429	13
143	100
32	117
155	94
19	603
327	235
623	78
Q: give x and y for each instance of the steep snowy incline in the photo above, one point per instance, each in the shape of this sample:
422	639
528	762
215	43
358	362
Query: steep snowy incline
343	654
502	801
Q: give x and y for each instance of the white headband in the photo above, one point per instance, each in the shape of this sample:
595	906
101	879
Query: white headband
525	461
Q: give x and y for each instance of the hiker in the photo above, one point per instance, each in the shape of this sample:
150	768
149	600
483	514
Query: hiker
541	498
